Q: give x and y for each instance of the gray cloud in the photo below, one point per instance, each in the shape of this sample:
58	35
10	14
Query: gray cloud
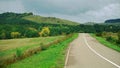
76	10
11	6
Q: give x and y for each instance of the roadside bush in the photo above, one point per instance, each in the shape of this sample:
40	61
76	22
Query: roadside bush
110	39
99	34
104	34
118	41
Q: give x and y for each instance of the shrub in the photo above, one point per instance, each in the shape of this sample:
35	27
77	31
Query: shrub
104	34
99	34
110	39
118	41
15	34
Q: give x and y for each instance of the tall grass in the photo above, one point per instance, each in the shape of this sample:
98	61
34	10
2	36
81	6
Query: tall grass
53	57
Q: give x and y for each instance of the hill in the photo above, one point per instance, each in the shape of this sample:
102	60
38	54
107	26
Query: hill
10	17
113	21
50	20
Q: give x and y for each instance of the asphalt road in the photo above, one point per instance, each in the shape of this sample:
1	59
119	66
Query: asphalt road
87	52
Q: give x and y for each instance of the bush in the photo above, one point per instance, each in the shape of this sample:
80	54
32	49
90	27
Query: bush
104	34
110	39
15	34
118	41
98	34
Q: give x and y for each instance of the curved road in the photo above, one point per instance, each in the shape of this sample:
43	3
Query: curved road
87	52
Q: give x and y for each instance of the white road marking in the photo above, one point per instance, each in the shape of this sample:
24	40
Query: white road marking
99	54
67	56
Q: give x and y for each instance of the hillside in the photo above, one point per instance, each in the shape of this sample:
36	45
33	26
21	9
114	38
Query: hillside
50	20
113	21
10	17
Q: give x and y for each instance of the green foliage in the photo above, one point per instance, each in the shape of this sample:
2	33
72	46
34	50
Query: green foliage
45	32
31	32
118	41
110	39
99	34
3	35
15	34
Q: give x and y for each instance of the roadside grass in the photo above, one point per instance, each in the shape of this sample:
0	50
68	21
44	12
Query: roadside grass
53	57
9	47
106	43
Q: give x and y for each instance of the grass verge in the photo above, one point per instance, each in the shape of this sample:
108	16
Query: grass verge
53	57
106	43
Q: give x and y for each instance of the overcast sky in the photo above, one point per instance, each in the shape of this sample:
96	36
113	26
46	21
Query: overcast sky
75	10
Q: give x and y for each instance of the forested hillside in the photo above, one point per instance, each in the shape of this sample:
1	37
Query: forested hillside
15	25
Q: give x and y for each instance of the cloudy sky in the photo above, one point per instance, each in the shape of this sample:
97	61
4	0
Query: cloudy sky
75	10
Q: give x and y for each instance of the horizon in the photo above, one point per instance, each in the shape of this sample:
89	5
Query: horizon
74	10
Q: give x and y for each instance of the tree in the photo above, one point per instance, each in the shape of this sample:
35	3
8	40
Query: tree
15	34
45	32
31	32
3	35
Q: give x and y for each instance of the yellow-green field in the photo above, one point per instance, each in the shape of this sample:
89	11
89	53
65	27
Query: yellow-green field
9	47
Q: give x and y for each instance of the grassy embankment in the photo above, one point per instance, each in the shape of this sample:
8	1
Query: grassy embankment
107	43
53	57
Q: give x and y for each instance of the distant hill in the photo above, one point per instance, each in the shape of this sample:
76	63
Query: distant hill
113	21
50	20
10	17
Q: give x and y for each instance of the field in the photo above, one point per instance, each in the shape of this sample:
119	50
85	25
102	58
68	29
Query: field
107	43
53	57
9	47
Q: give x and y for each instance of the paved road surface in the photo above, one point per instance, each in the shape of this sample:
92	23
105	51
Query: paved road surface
87	52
